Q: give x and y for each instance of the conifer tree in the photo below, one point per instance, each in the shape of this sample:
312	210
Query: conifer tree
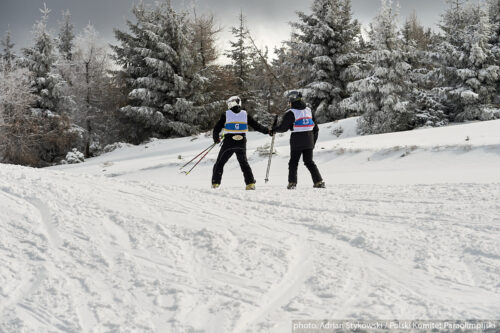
417	45
66	36
47	86
240	54
325	42
494	16
383	94
165	86
40	60
467	64
8	55
251	77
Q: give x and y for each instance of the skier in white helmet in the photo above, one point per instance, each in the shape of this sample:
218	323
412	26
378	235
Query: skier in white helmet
235	122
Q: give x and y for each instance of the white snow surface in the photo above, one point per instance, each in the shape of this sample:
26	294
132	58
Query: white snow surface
408	228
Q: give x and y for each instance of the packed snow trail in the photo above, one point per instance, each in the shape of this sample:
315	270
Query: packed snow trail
90	253
408	228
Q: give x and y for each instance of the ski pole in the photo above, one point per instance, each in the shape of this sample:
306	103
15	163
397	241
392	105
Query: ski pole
194	166
271	150
204	150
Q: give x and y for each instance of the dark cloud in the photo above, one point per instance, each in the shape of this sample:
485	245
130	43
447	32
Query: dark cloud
267	19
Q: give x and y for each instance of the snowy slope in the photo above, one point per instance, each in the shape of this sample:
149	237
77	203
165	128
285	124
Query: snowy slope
407	228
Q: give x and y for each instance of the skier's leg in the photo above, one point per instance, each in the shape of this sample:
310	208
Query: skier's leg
241	155
311	166
293	164
224	155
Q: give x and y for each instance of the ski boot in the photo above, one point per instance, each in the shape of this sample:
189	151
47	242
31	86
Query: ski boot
320	184
291	186
214	186
250	187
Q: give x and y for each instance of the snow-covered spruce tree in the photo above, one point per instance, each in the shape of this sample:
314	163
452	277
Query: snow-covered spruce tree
383	95
40	59
418	44
8	55
66	36
158	66
468	70
47	86
326	45
250	75
63	63
24	136
240	54
18	127
494	15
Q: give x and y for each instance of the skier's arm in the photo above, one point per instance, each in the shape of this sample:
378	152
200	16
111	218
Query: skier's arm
256	126
286	123
218	127
315	129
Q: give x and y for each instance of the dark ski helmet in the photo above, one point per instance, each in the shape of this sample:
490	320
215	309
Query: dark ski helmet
294	96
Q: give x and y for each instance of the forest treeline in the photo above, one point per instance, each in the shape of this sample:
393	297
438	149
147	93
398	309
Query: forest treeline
71	92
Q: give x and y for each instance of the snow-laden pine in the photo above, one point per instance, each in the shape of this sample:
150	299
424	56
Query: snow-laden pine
418	44
40	60
494	17
7	56
66	36
239	53
382	95
325	50
52	135
468	68
164	98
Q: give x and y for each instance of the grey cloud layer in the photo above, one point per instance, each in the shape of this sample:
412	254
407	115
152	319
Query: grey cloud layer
268	19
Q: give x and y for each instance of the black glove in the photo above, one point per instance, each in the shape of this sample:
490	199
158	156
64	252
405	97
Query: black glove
216	140
271	132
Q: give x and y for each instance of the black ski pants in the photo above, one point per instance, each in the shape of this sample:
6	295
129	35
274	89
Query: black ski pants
224	155
307	156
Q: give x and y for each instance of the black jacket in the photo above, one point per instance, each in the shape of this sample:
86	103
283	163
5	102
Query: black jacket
228	137
298	140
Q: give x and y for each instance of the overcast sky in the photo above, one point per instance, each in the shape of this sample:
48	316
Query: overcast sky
267	19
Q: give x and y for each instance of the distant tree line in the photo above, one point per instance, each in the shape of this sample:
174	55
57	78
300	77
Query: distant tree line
161	79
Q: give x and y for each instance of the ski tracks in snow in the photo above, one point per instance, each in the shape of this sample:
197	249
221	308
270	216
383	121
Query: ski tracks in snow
97	254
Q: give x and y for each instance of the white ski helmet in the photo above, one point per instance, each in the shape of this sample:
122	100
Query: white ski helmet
233	101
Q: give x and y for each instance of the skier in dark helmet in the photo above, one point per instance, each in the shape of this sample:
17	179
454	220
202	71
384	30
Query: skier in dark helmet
300	120
235	122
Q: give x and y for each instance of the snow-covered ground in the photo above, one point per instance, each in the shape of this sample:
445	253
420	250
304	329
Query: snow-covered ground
408	228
